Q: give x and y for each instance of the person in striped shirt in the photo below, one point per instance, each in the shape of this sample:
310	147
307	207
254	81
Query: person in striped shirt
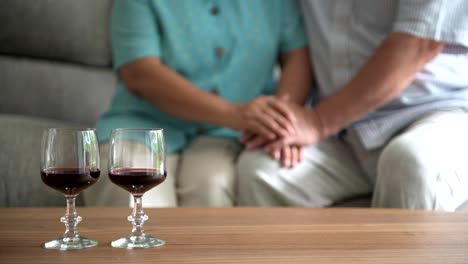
392	112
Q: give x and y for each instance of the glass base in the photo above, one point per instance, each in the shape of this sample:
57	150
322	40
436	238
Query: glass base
132	242
63	243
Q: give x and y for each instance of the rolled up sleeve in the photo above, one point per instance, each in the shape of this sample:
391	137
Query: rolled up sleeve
293	35
440	20
134	31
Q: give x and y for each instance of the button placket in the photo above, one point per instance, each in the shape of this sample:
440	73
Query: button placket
339	46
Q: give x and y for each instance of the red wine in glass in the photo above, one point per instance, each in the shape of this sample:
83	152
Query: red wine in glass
135	180
137	164
69	181
69	164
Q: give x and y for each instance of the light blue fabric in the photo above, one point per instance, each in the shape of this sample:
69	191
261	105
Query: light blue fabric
345	33
186	36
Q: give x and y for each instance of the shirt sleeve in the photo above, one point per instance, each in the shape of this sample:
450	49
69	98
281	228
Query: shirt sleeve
440	20
293	35
134	31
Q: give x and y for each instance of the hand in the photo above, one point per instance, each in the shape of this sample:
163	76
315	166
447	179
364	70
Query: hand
288	156
266	116
252	140
307	129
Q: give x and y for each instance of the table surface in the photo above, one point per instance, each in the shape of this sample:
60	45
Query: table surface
244	235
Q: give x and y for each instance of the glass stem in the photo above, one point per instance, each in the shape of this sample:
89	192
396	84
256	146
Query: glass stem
71	220
137	218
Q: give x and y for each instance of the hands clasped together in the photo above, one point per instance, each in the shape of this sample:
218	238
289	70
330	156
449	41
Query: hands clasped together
279	127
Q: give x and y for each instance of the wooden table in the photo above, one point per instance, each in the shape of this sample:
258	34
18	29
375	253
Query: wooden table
245	235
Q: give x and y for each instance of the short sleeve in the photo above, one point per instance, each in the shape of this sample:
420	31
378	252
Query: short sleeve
134	31
293	35
440	20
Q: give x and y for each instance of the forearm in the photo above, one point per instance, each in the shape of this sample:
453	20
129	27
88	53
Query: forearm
387	73
296	76
173	94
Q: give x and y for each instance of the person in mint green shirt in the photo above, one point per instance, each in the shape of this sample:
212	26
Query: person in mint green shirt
203	71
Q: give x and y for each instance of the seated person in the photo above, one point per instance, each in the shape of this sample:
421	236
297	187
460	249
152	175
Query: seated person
202	71
392	119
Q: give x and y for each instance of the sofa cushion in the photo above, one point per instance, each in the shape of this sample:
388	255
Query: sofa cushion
20	151
62	91
69	30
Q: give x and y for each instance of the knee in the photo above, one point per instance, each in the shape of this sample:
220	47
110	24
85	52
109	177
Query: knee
208	177
253	169
404	175
250	163
401	165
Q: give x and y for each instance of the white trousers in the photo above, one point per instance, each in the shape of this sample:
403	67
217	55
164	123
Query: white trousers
201	175
424	167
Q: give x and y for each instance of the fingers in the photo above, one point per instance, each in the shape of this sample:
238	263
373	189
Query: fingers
262	130
259	124
251	140
255	142
282	108
295	153
275	154
300	155
269	117
291	156
269	123
276	144
286	156
246	137
282	122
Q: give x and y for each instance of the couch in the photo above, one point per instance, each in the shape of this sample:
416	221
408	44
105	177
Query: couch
55	70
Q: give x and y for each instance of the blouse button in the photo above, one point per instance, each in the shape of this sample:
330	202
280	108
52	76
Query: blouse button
219	52
214	10
200	131
214	90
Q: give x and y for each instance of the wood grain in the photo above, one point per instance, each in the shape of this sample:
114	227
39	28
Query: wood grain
245	235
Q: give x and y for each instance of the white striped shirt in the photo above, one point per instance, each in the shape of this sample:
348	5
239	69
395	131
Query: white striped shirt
343	34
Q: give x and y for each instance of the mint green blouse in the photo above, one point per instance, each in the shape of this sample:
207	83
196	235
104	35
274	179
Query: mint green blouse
226	47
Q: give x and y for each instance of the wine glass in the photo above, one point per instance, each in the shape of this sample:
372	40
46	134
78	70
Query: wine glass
137	164
70	164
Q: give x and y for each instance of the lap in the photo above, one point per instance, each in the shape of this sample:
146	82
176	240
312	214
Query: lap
206	172
423	167
328	173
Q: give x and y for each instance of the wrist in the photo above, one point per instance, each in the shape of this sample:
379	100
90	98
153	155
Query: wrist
316	121
323	129
230	116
